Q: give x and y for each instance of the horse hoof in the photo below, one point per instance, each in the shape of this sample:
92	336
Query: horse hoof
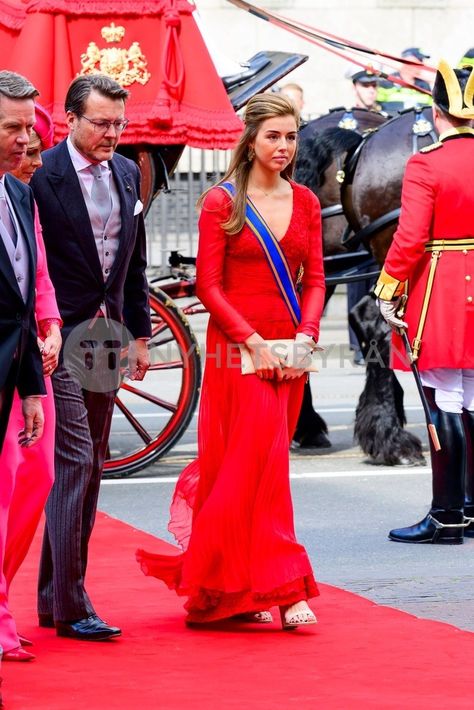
406	461
415	461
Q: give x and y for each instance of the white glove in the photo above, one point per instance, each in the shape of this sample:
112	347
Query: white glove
388	310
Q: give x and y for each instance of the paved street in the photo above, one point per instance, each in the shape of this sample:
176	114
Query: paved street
344	506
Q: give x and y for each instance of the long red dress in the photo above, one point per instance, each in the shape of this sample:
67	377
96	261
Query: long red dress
232	512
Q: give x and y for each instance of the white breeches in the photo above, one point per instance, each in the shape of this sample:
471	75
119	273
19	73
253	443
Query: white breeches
454	389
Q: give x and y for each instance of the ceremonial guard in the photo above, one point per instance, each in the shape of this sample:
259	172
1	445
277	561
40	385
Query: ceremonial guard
431	259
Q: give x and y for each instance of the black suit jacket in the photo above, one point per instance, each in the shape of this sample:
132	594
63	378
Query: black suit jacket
73	261
19	353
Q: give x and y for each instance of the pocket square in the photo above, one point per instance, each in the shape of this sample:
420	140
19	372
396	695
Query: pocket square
138	208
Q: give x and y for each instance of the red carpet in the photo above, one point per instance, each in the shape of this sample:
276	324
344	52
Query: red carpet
359	656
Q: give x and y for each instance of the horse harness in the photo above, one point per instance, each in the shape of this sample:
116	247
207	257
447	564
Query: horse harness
345	170
420	129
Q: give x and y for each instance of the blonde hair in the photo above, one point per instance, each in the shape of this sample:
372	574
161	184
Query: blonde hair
260	108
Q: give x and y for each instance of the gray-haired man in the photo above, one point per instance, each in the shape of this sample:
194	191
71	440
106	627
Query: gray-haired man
20	359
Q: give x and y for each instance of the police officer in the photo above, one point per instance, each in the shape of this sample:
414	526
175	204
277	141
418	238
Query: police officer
432	257
365	84
394	97
467	59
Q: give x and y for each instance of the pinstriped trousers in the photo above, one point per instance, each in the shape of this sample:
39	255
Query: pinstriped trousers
83	420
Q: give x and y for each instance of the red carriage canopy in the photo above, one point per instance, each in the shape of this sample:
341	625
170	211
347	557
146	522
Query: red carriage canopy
151	47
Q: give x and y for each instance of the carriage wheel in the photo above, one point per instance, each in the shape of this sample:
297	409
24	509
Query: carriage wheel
151	416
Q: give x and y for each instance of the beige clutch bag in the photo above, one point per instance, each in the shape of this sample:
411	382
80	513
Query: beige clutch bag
281	348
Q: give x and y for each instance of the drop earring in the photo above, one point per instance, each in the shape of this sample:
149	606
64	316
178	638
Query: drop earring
250	155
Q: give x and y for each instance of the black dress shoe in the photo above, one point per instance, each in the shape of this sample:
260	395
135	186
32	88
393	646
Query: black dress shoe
46	621
24	641
358	358
312	441
438	528
90	629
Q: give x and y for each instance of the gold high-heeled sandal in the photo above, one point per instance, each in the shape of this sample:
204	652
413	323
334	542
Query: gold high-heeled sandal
299	617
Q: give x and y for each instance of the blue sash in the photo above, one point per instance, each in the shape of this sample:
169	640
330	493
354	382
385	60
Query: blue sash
275	257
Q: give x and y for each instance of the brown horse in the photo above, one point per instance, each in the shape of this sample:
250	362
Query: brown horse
324	145
371	197
372	168
372	184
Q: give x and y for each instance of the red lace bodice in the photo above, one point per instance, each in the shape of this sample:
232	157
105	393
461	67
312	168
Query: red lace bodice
234	280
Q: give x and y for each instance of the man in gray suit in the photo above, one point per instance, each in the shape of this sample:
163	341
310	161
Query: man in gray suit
89	203
20	359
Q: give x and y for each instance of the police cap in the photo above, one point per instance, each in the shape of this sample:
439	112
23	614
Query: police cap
415	52
364	76
467	59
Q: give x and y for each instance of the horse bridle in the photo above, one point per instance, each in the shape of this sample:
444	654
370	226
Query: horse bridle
343	169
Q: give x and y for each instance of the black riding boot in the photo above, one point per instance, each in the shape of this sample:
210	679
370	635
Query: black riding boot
444	522
468	419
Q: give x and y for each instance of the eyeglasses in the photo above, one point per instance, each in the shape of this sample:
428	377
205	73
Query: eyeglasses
104	126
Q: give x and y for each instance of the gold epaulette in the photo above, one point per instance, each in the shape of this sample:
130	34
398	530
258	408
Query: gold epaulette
429	148
387	287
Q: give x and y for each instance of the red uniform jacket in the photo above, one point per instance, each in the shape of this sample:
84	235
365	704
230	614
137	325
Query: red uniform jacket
437	203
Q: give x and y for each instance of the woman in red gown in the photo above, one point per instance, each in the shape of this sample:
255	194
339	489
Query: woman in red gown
232	511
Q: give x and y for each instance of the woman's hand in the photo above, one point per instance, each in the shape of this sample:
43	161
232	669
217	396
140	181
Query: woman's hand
50	348
268	365
298	357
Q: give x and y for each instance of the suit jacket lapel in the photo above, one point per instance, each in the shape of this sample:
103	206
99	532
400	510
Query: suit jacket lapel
65	183
6	268
26	221
125	187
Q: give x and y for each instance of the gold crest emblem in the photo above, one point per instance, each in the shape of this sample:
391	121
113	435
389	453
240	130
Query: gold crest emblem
126	66
348	122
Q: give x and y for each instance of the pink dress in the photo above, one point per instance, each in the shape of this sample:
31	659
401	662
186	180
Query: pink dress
26	475
232	511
